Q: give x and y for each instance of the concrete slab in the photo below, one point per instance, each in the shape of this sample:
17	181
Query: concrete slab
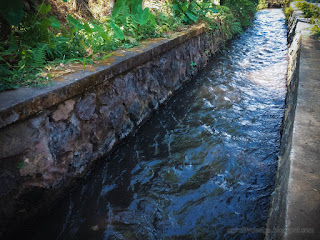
303	206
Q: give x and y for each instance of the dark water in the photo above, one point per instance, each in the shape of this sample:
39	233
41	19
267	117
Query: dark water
204	166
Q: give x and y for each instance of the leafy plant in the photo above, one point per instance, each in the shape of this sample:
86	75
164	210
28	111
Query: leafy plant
262	4
193	65
130	22
191	10
34	40
230	25
25	52
243	10
316	28
186	10
311	11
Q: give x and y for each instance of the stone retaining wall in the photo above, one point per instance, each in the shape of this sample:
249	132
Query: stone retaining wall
51	136
277	216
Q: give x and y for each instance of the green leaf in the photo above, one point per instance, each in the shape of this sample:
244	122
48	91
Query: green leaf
145	16
20	166
118	32
191	16
13	16
106	56
98	28
87	28
185	7
136	6
64	0
152	19
12	11
101	31
44	9
48	8
176	8
142	16
45	23
75	22
55	23
117	7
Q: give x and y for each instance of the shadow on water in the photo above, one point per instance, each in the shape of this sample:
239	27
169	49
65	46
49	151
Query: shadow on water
204	166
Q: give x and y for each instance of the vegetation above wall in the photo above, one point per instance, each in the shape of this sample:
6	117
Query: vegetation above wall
41	39
311	11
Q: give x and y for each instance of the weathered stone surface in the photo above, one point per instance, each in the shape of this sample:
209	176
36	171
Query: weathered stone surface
116	116
17	138
63	110
81	157
11	118
86	107
63	137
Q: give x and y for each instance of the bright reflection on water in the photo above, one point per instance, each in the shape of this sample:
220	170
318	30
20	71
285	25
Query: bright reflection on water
203	165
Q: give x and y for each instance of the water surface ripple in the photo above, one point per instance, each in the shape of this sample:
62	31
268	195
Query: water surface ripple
204	166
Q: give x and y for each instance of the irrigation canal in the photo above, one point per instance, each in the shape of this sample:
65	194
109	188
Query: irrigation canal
204	166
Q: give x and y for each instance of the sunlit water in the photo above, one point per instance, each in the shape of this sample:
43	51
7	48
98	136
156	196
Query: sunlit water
204	166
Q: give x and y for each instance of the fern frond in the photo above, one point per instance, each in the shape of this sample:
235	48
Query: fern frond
39	55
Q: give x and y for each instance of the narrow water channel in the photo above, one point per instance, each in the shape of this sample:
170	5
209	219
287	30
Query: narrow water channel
204	166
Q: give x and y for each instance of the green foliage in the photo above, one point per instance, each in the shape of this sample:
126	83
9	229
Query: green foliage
262	4
186	10
316	28
39	40
21	164
288	12
25	52
130	22
12	11
243	10
193	65
190	10
309	9
230	24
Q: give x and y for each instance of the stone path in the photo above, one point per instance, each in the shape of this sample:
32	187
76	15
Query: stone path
303	206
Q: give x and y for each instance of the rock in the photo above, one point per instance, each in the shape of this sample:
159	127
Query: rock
37	160
81	157
63	110
62	138
20	137
6	120
116	116
126	129
17	138
86	107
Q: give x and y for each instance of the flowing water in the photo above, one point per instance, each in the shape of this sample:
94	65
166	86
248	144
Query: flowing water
204	166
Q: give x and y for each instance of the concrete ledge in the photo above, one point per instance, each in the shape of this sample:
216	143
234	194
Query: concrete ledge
277	215
295	210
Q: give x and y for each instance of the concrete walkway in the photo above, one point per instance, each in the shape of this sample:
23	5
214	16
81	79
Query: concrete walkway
303	206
